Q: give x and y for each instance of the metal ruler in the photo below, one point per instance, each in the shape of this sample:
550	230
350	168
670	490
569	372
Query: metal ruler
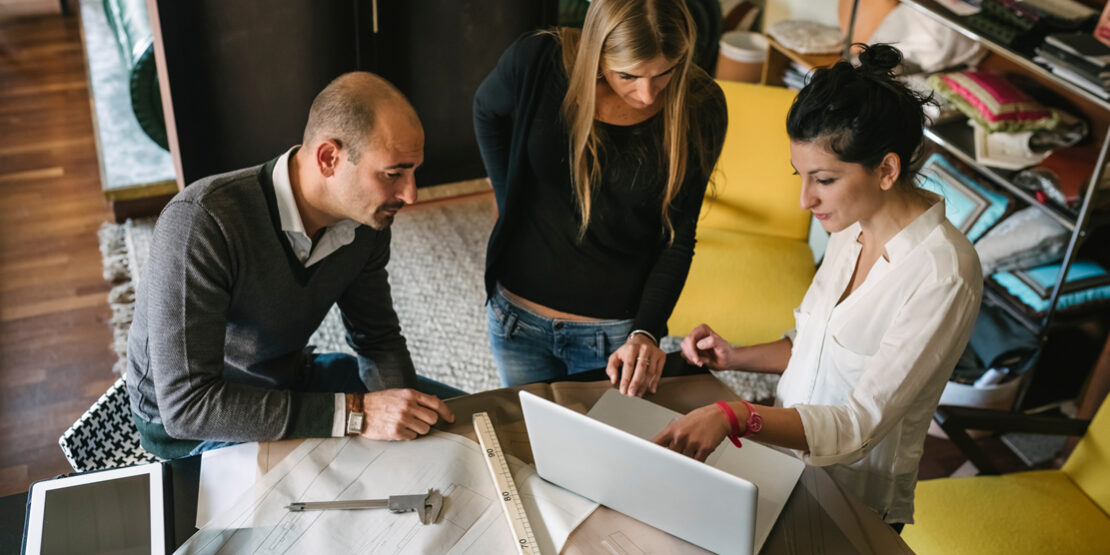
503	478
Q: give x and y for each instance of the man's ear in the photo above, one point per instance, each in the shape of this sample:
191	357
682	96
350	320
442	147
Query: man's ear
890	169
327	157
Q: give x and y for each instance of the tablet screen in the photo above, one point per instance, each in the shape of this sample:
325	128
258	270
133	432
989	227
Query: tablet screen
102	512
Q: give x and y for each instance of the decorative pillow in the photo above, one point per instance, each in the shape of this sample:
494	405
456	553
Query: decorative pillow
994	102
971	207
807	37
938	111
1026	239
1087	286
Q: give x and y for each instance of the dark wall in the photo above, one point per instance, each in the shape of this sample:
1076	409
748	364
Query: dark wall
243	74
437	52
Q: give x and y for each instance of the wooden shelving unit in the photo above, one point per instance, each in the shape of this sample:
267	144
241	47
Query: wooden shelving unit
956	139
939	13
779	58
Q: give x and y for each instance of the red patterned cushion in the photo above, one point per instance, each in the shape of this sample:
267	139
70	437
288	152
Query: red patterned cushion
994	102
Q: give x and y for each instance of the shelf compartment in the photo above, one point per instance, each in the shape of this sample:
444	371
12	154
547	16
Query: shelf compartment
992	296
779	58
938	12
958	139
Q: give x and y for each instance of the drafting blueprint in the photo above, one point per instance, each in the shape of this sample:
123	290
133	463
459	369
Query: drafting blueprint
472	521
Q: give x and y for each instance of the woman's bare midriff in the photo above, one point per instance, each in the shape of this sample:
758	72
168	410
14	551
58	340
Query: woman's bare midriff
545	311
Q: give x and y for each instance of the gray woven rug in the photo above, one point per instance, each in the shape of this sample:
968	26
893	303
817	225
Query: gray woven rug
435	273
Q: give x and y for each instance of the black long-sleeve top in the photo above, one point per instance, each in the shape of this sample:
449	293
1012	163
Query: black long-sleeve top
624	266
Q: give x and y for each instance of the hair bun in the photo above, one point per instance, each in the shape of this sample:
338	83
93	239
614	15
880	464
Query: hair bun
880	59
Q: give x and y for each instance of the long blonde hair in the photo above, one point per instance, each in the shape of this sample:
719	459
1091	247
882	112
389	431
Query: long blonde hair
625	33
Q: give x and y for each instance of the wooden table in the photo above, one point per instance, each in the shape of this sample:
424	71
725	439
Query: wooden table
819	517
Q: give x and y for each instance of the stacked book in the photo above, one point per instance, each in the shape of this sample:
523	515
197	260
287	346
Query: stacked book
1080	58
795	76
1021	25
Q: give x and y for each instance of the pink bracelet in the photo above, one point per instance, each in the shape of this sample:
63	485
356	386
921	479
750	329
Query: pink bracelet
733	422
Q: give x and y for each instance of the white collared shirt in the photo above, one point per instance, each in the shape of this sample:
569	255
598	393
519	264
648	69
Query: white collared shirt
866	375
335	236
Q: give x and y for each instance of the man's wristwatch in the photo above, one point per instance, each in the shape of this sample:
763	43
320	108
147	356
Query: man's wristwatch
355	415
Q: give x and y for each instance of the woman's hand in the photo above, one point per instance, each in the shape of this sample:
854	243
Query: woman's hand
637	365
697	434
703	347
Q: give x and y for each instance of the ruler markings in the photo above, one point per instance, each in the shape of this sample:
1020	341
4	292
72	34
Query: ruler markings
503	478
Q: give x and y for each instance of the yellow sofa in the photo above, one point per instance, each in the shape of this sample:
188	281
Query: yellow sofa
752	261
1040	512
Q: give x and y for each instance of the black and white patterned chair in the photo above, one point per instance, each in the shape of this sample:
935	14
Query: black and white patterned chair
105	436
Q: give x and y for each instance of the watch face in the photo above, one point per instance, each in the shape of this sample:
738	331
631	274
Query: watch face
755	423
354	423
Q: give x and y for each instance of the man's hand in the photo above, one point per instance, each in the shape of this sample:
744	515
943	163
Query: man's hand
396	414
637	365
703	347
697	434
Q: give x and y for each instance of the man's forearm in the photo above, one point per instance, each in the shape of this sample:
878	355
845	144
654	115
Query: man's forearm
387	369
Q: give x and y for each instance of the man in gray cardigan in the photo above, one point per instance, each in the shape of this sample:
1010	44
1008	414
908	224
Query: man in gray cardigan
245	265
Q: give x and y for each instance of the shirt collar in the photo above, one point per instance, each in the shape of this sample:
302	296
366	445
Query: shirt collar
916	232
283	191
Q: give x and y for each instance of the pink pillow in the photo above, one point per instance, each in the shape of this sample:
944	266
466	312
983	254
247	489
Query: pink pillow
993	102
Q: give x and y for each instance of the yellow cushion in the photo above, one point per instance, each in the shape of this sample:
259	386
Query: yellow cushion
1089	465
1039	512
756	191
743	285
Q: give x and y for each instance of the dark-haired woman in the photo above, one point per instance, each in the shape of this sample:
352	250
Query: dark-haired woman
599	145
887	315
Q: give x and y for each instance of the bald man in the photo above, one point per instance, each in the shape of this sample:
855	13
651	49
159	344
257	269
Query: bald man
245	265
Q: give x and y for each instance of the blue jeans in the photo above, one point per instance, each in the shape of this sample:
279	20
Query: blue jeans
530	348
338	373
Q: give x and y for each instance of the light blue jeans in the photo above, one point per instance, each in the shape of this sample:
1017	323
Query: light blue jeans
339	373
530	348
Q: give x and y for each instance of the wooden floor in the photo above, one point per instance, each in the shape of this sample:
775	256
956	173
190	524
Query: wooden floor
54	354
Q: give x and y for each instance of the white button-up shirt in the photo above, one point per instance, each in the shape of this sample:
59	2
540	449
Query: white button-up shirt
866	374
335	236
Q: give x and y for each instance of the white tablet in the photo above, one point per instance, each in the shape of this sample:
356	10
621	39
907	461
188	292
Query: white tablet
112	511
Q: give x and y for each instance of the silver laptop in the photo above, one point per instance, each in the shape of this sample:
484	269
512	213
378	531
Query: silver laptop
727	504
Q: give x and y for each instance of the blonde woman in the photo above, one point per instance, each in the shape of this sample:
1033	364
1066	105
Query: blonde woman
599	144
